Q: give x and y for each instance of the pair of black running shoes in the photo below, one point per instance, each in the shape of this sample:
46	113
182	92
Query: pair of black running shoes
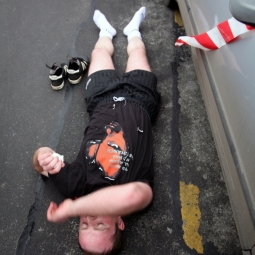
73	71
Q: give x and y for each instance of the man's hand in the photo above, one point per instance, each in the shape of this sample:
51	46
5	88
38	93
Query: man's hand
59	213
49	163
44	161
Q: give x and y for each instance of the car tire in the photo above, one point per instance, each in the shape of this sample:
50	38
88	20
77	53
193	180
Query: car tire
172	4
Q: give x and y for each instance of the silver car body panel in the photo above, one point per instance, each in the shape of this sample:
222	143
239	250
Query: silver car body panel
243	10
227	80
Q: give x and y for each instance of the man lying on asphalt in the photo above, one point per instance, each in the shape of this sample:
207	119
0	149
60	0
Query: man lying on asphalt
112	175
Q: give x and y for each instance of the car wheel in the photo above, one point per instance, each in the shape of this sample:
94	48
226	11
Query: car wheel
172	4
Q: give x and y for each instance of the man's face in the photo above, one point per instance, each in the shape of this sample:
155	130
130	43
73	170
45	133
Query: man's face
96	232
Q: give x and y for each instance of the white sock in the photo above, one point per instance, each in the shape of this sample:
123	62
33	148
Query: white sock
105	27
132	29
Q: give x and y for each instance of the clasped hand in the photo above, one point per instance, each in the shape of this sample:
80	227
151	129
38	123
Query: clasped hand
49	163
60	213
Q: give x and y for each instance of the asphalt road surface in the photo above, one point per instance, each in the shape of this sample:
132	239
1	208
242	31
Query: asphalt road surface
191	213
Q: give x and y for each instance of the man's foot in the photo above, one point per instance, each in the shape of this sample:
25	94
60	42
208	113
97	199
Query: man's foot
132	29
76	68
102	23
57	75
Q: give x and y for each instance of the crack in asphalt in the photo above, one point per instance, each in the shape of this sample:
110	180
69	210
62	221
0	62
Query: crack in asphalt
176	149
39	190
209	247
31	218
53	143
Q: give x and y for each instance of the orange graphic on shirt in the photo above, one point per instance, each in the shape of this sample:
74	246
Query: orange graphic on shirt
107	152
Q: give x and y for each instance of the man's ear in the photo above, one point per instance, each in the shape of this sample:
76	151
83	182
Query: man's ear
121	224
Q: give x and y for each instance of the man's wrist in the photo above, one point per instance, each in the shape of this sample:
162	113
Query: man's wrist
71	212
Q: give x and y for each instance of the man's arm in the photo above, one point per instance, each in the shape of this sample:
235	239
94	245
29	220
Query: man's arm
44	162
116	200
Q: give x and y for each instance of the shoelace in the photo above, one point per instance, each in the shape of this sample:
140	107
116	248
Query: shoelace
50	67
53	67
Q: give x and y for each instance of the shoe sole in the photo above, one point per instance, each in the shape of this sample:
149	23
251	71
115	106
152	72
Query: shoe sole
84	67
74	82
58	87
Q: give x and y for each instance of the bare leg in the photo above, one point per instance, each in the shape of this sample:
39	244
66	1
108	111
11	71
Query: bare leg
137	58
101	57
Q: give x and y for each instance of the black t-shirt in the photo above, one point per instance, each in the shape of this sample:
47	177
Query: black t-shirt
116	149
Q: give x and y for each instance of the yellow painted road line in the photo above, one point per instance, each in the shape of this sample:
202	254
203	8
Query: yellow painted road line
191	216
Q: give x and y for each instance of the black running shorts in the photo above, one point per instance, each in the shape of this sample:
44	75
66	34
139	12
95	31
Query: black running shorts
137	87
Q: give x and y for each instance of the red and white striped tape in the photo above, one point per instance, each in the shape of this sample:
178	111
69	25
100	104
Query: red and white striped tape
217	37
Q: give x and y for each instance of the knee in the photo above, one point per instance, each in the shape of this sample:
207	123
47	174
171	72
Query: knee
137	52
103	46
135	45
101	53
